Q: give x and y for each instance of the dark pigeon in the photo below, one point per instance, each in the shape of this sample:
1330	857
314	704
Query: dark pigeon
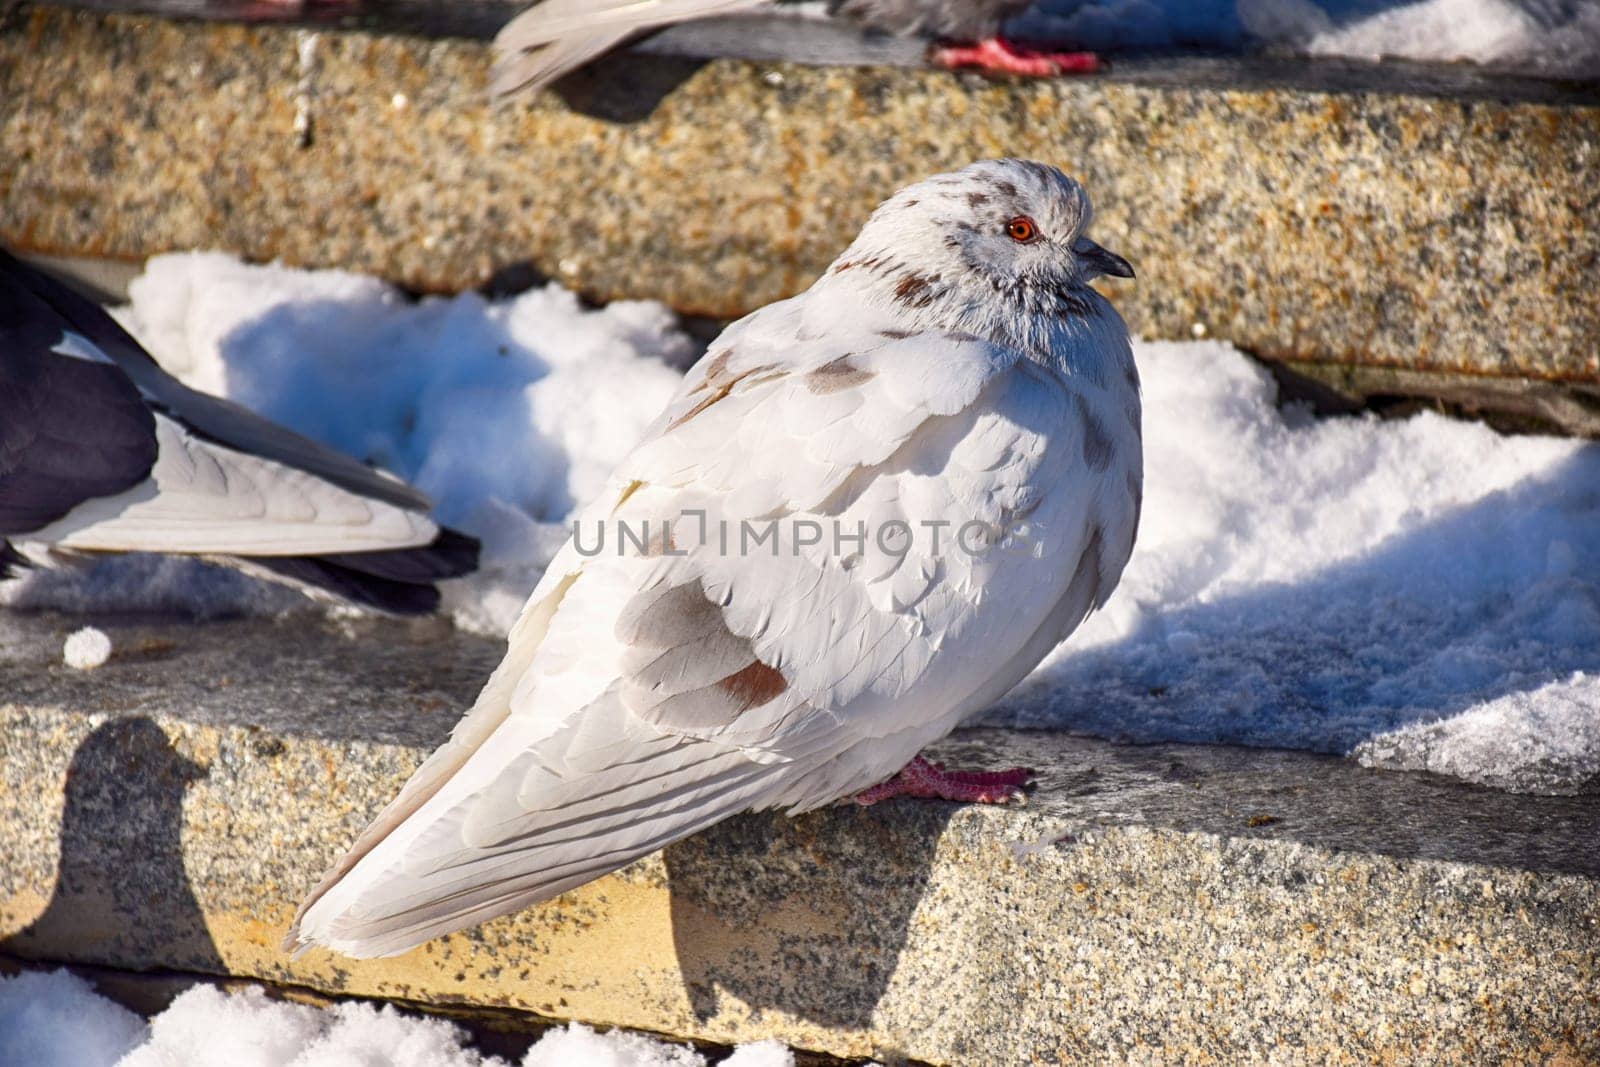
103	451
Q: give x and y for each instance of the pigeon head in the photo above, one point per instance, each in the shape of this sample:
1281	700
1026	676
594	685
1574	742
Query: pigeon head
998	249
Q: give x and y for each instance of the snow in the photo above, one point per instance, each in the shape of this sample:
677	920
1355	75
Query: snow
767	1053
86	649
467	399
1549	37
1421	593
1540	36
506	413
57	1020
247	1028
1541	740
579	1044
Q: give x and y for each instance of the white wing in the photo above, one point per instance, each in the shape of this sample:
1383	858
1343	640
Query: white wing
556	36
205	498
650	693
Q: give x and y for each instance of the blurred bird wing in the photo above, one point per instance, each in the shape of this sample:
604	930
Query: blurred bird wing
206	499
649	693
556	36
73	426
78	328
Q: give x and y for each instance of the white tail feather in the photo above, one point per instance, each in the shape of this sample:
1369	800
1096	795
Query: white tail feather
557	36
478	845
380	909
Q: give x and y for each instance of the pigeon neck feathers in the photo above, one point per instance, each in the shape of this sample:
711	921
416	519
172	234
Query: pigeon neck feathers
997	250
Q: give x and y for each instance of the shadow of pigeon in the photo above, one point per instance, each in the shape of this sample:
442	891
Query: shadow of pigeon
122	893
624	89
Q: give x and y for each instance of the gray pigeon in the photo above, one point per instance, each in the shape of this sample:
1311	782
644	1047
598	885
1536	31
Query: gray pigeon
102	451
557	36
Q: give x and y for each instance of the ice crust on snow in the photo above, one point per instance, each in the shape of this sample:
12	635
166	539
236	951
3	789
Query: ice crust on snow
1541	740
1548	37
1422	593
86	649
56	1020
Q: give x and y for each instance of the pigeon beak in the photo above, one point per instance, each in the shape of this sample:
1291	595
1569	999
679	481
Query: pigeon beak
1099	261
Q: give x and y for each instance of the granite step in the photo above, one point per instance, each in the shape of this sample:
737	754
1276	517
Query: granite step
1423	229
1154	904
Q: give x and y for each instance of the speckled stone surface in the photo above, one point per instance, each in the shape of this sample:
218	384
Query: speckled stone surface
1163	904
1391	228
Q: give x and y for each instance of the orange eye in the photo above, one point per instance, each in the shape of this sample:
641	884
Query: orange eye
1021	229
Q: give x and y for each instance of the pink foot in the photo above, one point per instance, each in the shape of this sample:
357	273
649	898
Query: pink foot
921	778
997	54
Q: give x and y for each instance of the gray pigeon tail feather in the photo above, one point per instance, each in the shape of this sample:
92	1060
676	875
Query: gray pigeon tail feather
557	36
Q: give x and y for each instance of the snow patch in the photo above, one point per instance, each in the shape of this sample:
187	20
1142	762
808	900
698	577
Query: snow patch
1537	36
1544	740
86	649
57	1020
767	1053
1339	585
469	399
249	1029
1548	37
579	1044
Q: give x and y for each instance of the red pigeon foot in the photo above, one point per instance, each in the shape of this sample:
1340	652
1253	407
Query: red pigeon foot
922	778
997	54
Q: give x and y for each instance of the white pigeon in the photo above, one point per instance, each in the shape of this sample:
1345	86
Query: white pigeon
102	451
953	372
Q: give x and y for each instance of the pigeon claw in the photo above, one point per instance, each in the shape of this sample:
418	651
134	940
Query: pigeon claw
1000	56
924	778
